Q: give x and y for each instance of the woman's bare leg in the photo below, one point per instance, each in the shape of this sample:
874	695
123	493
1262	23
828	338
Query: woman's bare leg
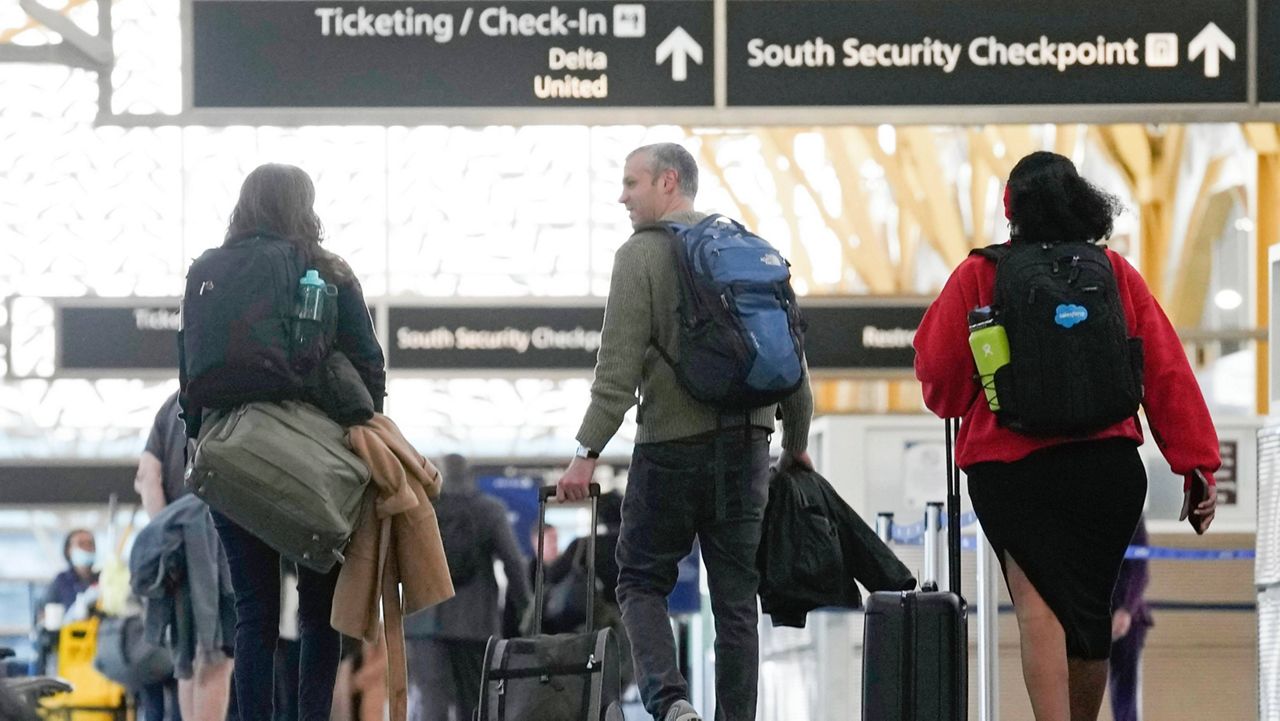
1044	649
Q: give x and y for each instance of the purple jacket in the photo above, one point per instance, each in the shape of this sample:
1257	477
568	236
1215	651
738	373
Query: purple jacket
1131	584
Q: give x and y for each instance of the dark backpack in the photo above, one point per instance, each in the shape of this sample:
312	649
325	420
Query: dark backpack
124	655
237	322
460	534
1073	369
741	333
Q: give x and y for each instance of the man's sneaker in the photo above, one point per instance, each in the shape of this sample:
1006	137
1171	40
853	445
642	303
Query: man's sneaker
682	711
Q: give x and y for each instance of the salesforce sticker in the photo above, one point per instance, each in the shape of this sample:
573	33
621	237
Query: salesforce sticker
1068	315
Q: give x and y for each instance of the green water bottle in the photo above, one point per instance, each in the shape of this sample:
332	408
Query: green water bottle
990	346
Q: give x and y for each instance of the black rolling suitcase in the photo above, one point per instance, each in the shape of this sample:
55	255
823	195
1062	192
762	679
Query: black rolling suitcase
915	647
560	677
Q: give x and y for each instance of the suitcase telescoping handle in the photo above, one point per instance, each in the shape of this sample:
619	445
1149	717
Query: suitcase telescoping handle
953	505
545	494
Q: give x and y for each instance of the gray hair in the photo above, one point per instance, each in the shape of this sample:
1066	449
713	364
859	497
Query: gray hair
671	156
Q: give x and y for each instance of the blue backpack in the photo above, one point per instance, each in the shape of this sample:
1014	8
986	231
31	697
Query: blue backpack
741	333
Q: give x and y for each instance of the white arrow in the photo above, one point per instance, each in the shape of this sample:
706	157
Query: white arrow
679	46
1211	41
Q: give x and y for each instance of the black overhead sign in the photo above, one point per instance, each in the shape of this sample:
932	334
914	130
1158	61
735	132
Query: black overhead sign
983	52
860	335
845	334
1269	51
33	482
445	53
138	337
494	338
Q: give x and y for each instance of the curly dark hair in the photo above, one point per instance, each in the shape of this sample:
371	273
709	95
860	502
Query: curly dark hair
277	200
1050	203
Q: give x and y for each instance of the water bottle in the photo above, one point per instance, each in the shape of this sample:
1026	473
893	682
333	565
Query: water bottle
310	309
990	346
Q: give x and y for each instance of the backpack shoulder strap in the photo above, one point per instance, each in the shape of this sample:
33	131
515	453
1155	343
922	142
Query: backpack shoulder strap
1102	249
672	232
675	229
665	228
994	253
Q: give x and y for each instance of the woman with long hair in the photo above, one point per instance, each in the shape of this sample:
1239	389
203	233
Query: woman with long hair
1059	510
276	203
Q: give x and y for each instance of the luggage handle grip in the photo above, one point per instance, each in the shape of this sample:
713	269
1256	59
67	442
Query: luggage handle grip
546	493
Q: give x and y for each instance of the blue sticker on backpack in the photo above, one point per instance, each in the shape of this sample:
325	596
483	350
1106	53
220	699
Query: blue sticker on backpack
1069	315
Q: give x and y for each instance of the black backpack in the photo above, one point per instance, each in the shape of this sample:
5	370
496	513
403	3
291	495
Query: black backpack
460	534
124	655
237	322
741	332
1073	369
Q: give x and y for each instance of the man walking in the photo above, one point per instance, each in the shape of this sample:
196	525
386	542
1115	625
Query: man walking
696	472
204	689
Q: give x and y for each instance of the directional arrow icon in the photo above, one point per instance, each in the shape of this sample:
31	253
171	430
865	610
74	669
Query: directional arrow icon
1210	42
680	46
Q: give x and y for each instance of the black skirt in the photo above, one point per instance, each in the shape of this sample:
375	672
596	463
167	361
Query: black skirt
1066	514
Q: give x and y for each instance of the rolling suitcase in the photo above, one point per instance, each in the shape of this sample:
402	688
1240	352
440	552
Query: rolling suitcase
915	648
554	677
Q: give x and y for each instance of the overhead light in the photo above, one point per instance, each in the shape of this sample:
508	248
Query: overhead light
1228	299
887	137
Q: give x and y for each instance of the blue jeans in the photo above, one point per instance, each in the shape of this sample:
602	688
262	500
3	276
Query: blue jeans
670	500
255	575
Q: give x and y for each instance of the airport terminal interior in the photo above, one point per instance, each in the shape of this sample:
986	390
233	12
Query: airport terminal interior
484	232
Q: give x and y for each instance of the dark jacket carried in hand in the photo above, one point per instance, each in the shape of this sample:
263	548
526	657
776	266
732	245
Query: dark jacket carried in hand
180	571
814	547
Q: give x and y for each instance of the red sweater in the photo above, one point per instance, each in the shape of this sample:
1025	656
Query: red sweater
1175	408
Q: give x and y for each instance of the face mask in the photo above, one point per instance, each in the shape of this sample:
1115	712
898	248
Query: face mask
81	558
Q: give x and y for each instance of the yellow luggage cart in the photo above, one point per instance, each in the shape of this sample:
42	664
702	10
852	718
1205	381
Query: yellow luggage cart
93	697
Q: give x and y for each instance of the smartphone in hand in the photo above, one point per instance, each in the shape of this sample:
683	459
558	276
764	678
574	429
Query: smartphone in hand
1199	491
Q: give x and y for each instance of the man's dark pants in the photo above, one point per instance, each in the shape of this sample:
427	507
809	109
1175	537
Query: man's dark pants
444	677
670	500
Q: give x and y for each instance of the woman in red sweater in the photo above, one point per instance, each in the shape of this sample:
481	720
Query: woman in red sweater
1059	511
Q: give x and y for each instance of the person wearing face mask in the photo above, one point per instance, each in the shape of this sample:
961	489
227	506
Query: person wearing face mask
80	551
58	604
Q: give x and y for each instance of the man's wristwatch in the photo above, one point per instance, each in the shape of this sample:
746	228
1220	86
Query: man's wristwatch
584	452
